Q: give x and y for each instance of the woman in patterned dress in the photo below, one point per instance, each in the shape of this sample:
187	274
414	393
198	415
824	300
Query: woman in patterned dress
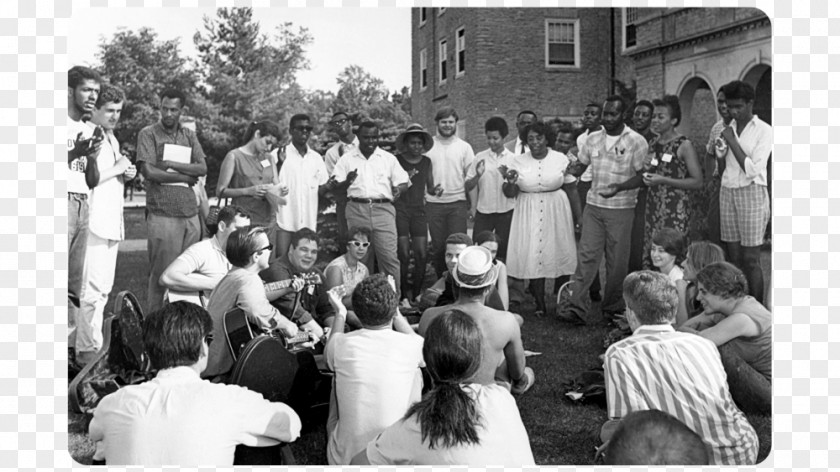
542	239
672	172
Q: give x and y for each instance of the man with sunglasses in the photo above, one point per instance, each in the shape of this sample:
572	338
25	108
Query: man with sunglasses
176	418
314	309
304	174
248	251
342	126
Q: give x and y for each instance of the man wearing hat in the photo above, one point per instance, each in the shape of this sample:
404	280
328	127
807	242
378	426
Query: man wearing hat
373	179
412	224
503	357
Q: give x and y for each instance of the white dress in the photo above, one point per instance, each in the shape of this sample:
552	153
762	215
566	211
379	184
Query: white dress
542	239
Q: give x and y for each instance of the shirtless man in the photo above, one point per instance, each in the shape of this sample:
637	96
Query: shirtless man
503	358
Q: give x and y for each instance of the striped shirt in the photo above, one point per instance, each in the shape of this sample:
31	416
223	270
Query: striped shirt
616	163
680	374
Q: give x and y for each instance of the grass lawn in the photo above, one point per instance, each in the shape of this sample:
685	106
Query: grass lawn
561	432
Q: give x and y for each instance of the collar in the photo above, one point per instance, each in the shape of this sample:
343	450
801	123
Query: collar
178	373
358	153
214	241
734	124
355	142
446	141
654	329
163	130
290	148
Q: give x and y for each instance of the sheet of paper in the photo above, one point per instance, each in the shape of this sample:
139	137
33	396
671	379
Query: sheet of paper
177	153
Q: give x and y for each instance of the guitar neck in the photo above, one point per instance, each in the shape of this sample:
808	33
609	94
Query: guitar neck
279	285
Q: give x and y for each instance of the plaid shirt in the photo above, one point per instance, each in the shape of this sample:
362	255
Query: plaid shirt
617	164
680	374
168	200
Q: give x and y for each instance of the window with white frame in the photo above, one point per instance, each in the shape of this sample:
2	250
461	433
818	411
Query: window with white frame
629	16
460	64
424	70
562	43
442	61
423	12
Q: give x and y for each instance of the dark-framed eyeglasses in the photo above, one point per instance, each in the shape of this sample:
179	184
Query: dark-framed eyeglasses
269	247
339	122
359	244
303	129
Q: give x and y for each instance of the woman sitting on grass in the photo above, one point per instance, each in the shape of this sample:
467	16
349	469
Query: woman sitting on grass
741	328
457	422
491	242
667	250
699	255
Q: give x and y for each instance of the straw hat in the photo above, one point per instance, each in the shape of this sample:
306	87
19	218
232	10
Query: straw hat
415	128
475	268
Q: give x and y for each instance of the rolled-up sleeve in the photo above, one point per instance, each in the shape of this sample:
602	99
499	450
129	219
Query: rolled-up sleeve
756	161
253	302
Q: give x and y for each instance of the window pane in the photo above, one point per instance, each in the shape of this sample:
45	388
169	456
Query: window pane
461	61
561	54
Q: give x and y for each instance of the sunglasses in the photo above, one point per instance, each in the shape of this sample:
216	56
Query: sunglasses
303	129
359	244
269	247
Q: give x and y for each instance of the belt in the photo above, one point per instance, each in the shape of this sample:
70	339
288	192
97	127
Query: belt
369	200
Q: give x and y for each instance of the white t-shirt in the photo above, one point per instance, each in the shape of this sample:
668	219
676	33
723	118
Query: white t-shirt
106	199
76	175
581	141
451	157
377	377
207	258
303	175
675	274
179	419
503	440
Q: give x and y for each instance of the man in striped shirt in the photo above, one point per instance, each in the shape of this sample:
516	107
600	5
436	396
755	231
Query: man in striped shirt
658	368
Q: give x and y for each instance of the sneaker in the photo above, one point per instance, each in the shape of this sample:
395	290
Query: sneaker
531	379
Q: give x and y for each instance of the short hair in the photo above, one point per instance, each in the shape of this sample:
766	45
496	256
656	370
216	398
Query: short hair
672	102
702	253
78	74
265	127
487	236
644	103
298	117
358	231
526	112
496	123
738	89
724	280
109	94
652	296
241	244
564	126
672	241
619	99
342	113
653	437
459	238
172	335
374	301
599	106
226	214
446	112
304	233
174	93
542	129
367	124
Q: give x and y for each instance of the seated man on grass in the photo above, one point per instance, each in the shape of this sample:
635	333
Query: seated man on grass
248	251
377	368
299	261
177	418
678	373
197	271
653	437
503	358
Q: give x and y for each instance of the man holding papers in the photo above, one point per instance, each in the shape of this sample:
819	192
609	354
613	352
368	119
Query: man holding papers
171	159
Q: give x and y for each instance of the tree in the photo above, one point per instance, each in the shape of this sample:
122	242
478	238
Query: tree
363	94
143	66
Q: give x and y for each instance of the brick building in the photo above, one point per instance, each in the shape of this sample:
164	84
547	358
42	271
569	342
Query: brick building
498	61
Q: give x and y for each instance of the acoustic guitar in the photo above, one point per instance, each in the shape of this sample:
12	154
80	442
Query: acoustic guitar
201	298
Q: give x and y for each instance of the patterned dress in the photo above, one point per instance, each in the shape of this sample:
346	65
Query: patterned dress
667	206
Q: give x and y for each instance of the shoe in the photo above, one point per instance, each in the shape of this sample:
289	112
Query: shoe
531	379
571	318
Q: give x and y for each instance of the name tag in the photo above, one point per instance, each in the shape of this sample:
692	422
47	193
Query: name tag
265	163
666	157
654	162
594	153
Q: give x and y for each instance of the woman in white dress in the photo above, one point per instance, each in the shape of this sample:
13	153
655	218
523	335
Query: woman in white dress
542	240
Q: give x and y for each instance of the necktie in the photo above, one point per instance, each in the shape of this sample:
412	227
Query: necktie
340	150
522	147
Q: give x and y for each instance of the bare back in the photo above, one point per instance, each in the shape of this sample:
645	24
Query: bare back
501	339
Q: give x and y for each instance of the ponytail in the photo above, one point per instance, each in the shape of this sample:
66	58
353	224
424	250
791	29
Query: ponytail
447	416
